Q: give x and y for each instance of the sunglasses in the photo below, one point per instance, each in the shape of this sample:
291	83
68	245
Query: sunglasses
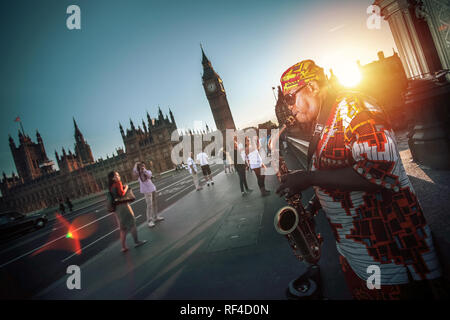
289	98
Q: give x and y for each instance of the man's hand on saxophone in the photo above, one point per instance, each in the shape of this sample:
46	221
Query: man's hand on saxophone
294	182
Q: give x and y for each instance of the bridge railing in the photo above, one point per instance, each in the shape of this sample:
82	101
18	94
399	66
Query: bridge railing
299	148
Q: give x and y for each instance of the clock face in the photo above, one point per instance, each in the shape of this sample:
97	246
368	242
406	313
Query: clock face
211	87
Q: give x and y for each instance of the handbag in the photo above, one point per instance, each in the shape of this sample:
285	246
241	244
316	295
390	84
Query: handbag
127	197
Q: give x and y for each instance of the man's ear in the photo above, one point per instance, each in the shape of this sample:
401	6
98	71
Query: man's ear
314	87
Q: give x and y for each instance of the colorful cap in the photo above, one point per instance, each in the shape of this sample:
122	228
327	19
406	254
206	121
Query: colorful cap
300	74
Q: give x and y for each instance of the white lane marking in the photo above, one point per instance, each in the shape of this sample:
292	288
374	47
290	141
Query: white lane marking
90	244
62	237
178	192
185	188
74	215
64	260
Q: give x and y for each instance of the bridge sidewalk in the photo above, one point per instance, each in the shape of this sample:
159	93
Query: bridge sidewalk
214	244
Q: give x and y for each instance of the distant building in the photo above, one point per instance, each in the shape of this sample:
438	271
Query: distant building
268	125
152	142
38	185
421	33
217	98
30	158
385	80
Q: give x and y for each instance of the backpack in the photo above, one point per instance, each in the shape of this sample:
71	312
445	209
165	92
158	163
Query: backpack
110	205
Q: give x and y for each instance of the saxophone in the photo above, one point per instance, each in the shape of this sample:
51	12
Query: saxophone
294	221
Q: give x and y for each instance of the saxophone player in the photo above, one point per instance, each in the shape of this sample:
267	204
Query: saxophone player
359	179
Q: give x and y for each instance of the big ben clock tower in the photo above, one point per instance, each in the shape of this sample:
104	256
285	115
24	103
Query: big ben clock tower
217	98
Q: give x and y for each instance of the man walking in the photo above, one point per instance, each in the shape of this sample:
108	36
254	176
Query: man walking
202	158
192	167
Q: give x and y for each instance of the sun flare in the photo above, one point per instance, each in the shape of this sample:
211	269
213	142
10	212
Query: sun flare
348	74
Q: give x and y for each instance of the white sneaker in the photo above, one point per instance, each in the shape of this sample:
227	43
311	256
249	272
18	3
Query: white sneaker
151	224
159	218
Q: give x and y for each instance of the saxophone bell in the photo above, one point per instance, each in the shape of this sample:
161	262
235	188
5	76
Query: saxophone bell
286	220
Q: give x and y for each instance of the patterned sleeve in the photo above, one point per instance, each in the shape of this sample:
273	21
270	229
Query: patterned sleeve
373	148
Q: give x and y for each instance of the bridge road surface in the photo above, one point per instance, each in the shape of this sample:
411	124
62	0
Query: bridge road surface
22	275
214	244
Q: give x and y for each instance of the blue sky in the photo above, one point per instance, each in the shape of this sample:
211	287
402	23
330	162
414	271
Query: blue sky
132	56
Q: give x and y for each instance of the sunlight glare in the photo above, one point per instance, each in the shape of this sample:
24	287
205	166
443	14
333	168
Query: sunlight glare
348	74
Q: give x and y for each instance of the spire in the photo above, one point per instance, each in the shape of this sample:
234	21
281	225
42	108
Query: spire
172	118
149	121
38	137
133	128
77	130
205	60
208	71
56	155
160	114
121	130
78	135
75	124
11	141
144	126
21	137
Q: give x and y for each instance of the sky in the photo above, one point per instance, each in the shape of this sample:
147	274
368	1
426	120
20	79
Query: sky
133	56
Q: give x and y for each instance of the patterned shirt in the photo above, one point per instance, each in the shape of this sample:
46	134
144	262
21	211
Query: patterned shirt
385	228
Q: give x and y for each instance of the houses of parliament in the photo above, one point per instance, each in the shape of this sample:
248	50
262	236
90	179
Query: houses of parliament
38	185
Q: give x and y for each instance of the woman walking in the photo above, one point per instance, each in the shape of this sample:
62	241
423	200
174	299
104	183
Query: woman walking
149	190
240	166
123	212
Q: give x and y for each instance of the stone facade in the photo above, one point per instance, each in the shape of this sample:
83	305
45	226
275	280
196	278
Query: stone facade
39	186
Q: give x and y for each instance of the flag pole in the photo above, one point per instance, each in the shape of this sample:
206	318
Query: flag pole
21	126
273	91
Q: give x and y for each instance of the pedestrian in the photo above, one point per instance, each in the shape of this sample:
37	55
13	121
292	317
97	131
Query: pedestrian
123	212
202	158
361	183
225	163
192	168
285	146
62	208
240	166
149	190
255	163
69	204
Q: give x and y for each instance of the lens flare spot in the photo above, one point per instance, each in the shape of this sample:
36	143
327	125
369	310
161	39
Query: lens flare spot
348	74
